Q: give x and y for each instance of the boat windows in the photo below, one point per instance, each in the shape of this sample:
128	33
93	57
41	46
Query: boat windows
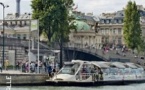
70	68
133	71
113	66
113	71
106	71
121	71
89	68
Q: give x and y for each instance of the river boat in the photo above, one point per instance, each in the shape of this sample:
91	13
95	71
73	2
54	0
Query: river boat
96	73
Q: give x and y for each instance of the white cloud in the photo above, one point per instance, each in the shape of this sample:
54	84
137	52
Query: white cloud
25	6
100	6
95	6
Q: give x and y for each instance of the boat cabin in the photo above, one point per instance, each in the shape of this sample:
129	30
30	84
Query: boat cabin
79	70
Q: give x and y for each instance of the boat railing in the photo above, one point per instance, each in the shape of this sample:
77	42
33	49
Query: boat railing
90	76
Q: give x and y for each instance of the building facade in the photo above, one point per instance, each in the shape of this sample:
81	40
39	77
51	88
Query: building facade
17	35
109	31
16	27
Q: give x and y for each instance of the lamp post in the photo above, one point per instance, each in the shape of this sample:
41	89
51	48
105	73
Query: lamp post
3	31
97	28
29	41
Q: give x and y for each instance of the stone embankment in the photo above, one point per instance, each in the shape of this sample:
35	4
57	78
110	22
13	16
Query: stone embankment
18	78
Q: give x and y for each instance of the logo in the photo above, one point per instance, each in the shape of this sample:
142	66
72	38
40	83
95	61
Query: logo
8	81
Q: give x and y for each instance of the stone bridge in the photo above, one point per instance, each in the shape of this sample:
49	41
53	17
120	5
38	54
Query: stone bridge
79	51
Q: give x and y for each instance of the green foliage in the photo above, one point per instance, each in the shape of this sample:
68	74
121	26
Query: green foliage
131	30
54	17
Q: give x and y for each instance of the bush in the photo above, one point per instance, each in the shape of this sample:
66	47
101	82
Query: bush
10	67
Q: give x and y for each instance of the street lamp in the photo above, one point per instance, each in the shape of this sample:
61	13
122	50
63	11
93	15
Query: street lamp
3	30
29	40
97	28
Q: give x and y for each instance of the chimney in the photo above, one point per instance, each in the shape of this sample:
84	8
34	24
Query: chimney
18	8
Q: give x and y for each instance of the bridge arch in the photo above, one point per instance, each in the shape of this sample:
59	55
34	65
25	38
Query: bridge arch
76	53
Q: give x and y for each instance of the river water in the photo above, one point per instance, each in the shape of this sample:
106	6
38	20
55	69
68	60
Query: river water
125	87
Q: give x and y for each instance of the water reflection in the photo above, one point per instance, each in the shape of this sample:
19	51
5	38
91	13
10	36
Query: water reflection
127	87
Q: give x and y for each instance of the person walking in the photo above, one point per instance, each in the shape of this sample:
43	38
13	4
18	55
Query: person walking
6	64
49	67
17	65
1	66
32	67
36	66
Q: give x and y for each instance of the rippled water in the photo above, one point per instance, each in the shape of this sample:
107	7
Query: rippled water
126	87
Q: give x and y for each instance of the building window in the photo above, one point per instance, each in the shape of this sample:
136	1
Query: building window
14	22
10	23
104	31
18	36
120	21
6	35
113	41
24	36
119	40
102	21
119	31
107	21
107	31
106	40
20	25
114	30
115	21
110	31
25	23
14	35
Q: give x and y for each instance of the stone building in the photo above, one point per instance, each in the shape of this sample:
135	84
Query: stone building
109	31
16	27
17	31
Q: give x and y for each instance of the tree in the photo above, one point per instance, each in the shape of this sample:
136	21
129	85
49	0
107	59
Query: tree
42	10
54	19
131	29
51	13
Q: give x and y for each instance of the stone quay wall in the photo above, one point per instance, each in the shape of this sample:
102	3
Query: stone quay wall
23	79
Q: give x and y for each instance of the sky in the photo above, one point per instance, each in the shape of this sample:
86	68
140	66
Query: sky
88	6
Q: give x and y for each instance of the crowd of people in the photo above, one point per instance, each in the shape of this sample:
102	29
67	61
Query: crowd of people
49	67
43	67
